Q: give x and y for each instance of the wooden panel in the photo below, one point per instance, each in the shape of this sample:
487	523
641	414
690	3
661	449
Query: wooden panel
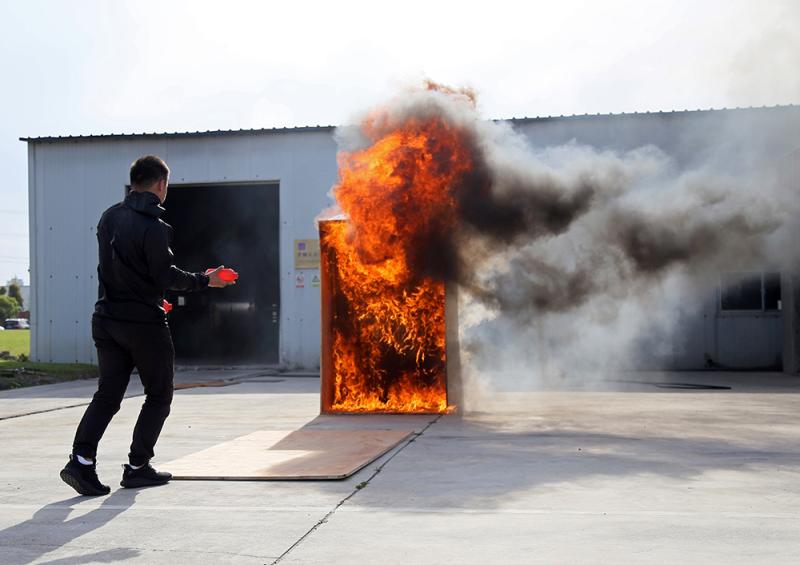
288	455
383	379
327	262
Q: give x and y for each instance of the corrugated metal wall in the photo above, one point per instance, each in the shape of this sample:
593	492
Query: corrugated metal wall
737	140
72	182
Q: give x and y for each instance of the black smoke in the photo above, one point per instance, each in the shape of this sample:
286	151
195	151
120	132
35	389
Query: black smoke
539	235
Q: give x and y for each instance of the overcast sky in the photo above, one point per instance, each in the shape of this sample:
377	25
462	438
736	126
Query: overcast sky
101	66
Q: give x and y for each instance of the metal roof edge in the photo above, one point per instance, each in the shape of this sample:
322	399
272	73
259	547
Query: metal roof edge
207	133
301	129
648	113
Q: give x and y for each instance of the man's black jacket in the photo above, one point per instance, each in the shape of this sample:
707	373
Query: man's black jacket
136	262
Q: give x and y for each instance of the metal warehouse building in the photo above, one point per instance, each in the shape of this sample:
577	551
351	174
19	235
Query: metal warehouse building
248	199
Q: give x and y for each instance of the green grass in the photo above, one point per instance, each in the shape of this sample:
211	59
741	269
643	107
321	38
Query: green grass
17	374
16	342
55	369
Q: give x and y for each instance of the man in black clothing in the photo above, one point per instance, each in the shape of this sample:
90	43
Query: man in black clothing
129	327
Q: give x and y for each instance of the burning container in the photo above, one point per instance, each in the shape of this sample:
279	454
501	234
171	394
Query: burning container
385	345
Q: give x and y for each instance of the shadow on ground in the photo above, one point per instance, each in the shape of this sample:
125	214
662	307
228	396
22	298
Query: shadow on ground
50	528
475	465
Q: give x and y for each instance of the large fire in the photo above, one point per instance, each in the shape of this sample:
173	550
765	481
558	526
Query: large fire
384	346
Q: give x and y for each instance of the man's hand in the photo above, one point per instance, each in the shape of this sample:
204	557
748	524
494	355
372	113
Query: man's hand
214	280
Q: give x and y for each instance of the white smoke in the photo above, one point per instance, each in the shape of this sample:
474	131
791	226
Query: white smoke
584	304
576	262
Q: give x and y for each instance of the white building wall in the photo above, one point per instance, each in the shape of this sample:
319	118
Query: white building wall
736	141
72	182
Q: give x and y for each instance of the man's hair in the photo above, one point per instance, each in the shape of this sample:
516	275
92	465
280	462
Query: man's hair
148	170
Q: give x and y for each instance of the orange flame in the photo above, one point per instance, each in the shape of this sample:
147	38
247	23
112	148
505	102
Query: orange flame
388	316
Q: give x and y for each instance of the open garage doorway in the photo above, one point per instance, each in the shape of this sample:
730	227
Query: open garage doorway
236	225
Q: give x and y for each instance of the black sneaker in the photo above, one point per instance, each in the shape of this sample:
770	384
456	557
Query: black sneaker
144	476
83	478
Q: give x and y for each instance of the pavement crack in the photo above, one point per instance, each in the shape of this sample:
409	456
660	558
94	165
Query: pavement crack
84	547
358	488
57	408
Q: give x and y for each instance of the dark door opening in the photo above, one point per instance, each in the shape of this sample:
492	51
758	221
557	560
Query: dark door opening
238	226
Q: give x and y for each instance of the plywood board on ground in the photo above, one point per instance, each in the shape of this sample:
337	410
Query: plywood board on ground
305	454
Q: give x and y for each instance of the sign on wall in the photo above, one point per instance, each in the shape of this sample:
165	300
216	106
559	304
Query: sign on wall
306	254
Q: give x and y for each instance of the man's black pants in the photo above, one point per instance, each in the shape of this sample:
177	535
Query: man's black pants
121	346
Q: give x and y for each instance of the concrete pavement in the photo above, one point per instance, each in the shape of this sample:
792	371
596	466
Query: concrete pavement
626	472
